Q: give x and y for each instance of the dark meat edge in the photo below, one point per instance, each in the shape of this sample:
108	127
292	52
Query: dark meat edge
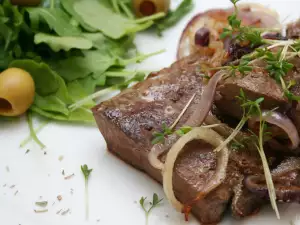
208	210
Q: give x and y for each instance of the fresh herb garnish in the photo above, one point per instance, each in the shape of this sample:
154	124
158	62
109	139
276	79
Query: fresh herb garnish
241	33
260	139
86	173
155	203
166	131
160	136
250	108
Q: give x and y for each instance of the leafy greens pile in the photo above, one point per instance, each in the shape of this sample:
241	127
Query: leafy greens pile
71	47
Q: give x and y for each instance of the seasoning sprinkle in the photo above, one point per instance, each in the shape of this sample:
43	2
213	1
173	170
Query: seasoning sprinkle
59	197
42	203
69	176
65	212
41	211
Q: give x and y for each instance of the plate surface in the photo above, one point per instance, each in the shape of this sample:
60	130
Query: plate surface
114	188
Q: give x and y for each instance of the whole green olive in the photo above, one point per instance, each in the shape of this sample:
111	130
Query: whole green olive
17	91
25	2
149	7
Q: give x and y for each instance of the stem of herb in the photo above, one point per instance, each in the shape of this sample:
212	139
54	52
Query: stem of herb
126	10
52	4
86	199
116	6
91	97
233	134
37	130
270	184
150	18
139	58
32	132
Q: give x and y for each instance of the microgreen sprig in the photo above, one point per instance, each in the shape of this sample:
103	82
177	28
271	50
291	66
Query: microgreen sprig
241	33
86	173
155	203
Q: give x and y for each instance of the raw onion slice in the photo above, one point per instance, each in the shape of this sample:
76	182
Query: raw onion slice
281	121
208	136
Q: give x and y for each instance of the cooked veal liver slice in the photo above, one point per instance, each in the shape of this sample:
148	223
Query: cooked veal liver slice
128	120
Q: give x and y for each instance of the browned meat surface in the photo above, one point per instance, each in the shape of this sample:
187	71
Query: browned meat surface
256	84
128	120
293	30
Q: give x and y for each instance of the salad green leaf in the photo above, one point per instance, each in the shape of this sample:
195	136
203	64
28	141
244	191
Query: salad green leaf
115	25
57	43
76	67
45	79
56	19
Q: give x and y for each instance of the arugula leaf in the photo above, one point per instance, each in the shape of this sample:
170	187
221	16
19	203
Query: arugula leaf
115	25
56	19
57	43
56	102
174	17
68	6
115	47
77	92
78	115
76	67
45	79
10	24
89	83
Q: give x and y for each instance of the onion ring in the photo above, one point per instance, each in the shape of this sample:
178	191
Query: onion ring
208	136
195	120
281	121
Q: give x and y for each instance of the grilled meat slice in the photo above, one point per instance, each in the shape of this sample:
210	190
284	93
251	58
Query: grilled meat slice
128	120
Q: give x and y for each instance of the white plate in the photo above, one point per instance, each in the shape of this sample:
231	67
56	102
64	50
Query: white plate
114	187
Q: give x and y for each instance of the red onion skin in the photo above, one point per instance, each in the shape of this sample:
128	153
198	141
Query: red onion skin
207	97
283	122
195	120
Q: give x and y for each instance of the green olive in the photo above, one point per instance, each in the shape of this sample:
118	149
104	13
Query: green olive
25	2
16	92
150	7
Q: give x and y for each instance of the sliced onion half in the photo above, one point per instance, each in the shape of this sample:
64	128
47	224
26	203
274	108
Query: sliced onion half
208	136
281	121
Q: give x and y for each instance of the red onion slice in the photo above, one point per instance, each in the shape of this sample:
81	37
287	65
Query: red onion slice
207	98
283	122
195	120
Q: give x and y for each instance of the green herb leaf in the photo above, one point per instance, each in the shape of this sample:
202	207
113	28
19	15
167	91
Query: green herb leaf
57	43
45	79
56	19
86	171
114	26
